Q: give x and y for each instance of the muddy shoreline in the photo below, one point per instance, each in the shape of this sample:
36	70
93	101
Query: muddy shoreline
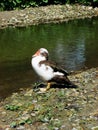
48	14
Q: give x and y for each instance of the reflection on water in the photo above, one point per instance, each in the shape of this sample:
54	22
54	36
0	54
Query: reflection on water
73	45
73	58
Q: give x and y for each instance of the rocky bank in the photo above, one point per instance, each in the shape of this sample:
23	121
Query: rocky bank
46	14
60	108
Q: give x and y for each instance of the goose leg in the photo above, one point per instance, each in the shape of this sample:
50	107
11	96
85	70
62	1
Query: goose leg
47	88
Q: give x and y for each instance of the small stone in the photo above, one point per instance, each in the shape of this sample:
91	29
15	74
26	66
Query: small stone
90	8
7	129
33	114
95	128
74	129
20	128
3	113
29	93
25	117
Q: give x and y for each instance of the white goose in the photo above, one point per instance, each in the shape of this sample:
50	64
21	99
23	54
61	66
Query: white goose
48	71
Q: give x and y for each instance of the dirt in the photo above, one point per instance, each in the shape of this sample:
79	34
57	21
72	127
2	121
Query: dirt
60	108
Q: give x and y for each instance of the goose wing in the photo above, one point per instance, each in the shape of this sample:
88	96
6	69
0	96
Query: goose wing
55	67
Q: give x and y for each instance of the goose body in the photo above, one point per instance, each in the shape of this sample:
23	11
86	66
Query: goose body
48	70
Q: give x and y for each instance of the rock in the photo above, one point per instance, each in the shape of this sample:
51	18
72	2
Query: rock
29	92
95	128
20	128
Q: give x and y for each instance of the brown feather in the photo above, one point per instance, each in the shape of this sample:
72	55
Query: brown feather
55	67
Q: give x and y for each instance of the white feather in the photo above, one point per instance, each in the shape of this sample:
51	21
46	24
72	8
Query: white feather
44	71
58	73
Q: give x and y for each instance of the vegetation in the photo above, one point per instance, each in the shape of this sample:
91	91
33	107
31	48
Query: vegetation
14	4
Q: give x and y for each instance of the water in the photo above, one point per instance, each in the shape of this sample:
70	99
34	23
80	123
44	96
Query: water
73	45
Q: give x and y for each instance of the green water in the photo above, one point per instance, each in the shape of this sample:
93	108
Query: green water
73	45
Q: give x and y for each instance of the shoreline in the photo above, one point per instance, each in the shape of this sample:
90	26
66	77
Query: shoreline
45	14
76	108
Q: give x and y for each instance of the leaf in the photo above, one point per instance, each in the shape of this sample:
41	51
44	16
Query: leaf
45	1
13	124
11	107
33	3
95	0
21	122
29	121
18	1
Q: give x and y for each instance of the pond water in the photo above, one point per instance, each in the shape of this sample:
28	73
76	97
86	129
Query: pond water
73	45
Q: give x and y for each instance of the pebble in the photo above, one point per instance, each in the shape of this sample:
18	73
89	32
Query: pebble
20	128
95	128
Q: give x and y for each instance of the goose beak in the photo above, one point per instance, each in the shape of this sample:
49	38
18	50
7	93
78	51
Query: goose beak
36	54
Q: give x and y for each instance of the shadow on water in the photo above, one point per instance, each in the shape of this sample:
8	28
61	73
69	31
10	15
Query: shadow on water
74	45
